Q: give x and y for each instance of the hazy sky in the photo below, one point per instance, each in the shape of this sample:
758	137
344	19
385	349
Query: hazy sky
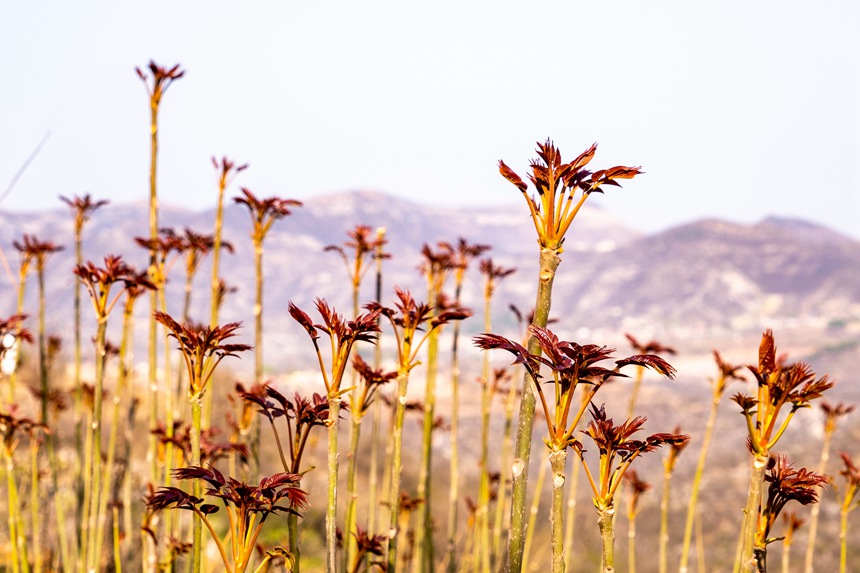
735	110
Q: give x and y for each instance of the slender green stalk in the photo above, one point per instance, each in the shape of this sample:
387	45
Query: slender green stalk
727	373
161	80
697	483
331	506
227	170
843	539
352	489
117	552
120	391
16	537
557	460
570	519
502	508
663	565
605	521
749	557
373	503
533	512
549	261
396	468
35	506
454	477
197	523
96	429
831	415
423	558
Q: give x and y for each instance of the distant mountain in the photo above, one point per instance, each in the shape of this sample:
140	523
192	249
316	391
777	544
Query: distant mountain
707	280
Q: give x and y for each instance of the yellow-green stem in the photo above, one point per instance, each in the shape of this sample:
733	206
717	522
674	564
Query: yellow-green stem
424	529
749	557
843	539
351	489
504	484
557	460
35	506
396	470
331	506
482	517
813	518
549	261
197	524
533	512
12	513
697	483
117	552
664	522
92	560
605	522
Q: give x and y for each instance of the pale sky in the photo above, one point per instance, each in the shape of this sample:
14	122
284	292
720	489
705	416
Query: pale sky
734	110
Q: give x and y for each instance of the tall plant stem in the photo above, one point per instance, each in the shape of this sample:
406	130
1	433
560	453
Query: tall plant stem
557	460
373	478
396	469
549	261
169	410
122	382
78	407
377	404
813	517
351	489
505	483
16	537
533	512
454	487
424	531
258	348
152	455
96	430
749	555
482	518
697	483
43	387
570	519
197	524
664	522
331	506
215	284
605	522
35	522
843	539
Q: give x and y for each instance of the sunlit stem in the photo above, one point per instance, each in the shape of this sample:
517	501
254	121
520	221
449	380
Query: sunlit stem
424	529
829	428
396	468
697	482
377	405
482	521
549	261
753	508
96	431
533	512
454	485
504	484
197	523
557	460
605	522
331	507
